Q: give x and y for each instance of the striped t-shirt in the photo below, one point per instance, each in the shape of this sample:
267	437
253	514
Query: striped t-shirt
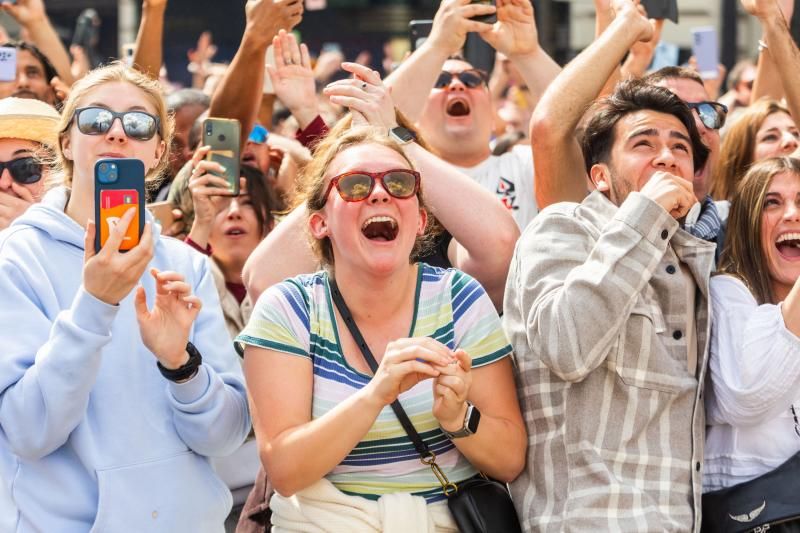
296	317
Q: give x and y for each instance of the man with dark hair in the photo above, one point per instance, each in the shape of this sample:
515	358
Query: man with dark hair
606	307
34	74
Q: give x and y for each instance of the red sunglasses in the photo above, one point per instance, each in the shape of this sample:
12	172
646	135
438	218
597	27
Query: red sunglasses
358	185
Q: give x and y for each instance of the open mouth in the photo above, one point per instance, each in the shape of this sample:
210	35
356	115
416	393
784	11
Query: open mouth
788	245
380	229
457	107
234	232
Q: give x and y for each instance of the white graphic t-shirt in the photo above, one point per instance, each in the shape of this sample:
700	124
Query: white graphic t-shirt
510	177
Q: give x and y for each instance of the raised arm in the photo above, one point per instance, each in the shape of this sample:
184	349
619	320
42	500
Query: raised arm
293	78
781	50
238	95
31	15
413	80
149	41
558	162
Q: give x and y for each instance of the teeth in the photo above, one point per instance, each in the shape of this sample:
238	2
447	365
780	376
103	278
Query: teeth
788	237
379	219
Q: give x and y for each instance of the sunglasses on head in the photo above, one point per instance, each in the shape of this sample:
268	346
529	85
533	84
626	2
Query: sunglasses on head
23	170
712	114
137	125
358	185
470	78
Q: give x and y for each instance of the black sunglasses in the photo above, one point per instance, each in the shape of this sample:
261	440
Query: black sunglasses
23	170
470	78
712	114
137	125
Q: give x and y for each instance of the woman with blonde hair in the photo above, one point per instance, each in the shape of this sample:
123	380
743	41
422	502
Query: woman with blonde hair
765	129
331	443
110	409
753	403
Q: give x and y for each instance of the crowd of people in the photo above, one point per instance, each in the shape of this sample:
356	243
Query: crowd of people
596	305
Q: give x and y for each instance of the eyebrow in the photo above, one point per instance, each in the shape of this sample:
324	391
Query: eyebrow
22	151
650	132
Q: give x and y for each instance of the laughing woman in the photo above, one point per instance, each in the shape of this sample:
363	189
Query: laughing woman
754	402
109	408
326	431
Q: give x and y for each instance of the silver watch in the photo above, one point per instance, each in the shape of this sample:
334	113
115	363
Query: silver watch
470	426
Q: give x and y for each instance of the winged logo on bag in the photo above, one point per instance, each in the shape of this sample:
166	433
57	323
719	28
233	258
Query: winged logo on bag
752	515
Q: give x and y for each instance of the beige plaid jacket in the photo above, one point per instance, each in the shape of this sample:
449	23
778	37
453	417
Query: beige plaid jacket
595	308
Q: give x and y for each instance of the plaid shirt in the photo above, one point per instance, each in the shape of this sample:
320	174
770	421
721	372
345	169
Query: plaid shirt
595	308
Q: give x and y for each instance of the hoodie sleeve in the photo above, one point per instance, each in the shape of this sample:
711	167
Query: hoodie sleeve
48	366
211	411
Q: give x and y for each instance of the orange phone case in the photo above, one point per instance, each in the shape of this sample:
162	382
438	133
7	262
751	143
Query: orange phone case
113	205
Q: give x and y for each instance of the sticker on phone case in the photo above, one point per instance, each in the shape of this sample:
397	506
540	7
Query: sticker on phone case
113	205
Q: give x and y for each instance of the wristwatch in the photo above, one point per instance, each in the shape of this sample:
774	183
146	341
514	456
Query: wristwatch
470	427
187	370
402	135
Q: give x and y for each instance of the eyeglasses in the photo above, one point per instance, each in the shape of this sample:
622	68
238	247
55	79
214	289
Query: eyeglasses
98	120
357	186
470	78
258	135
23	170
712	114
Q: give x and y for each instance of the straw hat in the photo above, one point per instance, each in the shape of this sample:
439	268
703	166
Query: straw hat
28	119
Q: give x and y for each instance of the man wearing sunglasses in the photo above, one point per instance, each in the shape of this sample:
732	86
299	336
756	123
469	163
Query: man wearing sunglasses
450	101
27	127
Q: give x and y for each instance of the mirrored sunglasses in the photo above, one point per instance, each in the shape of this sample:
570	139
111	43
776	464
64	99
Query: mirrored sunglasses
137	125
712	114
358	185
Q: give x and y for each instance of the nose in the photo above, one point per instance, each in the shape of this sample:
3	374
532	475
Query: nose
456	84
792	211
378	194
788	142
116	133
665	158
22	79
234	210
5	180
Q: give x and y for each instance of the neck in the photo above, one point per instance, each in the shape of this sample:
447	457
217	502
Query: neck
371	297
466	158
78	208
231	271
780	291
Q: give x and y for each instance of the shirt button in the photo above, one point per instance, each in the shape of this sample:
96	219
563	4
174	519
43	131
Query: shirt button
677	334
697	466
670	269
664	234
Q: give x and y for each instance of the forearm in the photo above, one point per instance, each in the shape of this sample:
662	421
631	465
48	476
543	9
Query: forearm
148	56
45	38
238	95
783	51
538	70
481	448
767	83
318	445
265	110
285	250
465	208
200	232
413	80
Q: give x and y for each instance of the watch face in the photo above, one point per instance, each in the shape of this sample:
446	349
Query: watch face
473	418
402	134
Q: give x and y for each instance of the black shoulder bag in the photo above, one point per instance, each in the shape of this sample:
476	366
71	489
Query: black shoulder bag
769	502
478	504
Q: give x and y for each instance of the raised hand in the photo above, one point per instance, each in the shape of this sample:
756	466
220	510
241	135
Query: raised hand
450	390
368	99
452	23
405	363
204	52
514	33
763	9
165	327
26	12
266	17
111	275
292	77
635	16
673	193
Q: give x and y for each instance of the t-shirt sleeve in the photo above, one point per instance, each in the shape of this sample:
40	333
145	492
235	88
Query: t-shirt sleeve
477	326
280	321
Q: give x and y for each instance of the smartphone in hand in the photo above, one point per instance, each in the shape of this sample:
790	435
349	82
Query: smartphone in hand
118	187
223	136
8	63
705	51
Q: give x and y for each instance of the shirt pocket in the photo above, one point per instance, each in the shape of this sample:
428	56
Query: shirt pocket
177	493
642	360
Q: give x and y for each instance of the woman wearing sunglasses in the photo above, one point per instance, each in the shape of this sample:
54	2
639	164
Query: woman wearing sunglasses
754	402
328	437
765	129
27	132
115	386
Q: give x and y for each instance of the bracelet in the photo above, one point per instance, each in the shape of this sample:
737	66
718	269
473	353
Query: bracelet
762	46
189	368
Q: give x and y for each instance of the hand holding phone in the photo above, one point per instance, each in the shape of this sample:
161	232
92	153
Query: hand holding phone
118	188
223	136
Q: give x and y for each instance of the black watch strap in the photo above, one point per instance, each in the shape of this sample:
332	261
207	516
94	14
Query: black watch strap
187	370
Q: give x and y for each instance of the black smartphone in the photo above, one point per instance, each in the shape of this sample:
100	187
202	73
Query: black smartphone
87	30
418	31
223	135
488	19
118	186
661	9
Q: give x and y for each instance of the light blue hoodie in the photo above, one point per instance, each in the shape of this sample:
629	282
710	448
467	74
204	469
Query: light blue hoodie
92	437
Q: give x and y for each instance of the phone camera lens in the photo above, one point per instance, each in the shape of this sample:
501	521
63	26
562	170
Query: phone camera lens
103	167
208	130
221	138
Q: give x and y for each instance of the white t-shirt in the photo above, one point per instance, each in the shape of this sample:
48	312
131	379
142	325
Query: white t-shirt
510	177
754	368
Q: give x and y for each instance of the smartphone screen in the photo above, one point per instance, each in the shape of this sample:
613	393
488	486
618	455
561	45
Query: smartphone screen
704	49
114	203
8	63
